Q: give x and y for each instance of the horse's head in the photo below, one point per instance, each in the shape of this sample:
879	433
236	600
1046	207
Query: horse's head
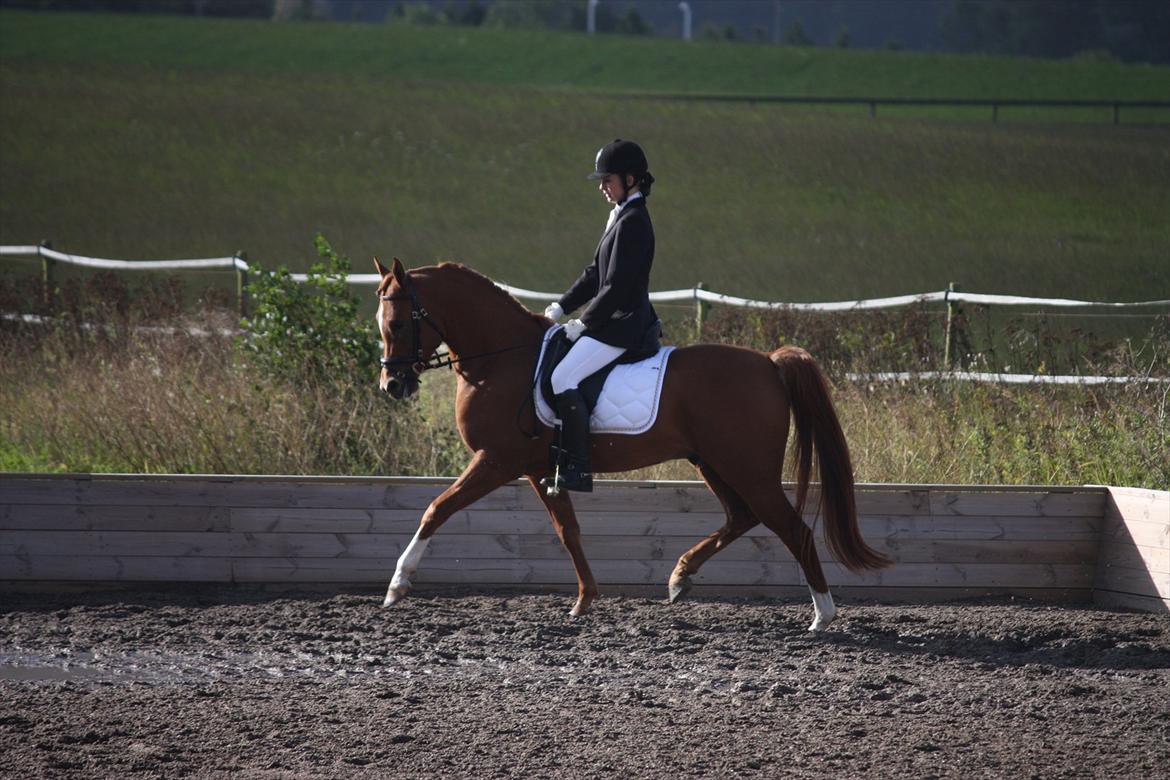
410	336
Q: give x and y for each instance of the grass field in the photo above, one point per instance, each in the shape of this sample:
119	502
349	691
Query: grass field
558	59
153	137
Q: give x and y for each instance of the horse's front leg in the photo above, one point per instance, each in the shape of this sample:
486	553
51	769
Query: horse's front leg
477	480
564	520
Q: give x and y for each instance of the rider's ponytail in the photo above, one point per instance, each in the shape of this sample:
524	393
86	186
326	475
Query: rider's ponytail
644	182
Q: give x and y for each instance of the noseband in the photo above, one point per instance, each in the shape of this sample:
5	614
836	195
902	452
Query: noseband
418	315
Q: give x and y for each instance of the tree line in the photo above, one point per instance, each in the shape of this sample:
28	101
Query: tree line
1130	30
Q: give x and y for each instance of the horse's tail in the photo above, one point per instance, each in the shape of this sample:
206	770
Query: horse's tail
817	427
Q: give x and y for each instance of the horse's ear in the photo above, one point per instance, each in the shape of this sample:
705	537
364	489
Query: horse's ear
398	271
381	268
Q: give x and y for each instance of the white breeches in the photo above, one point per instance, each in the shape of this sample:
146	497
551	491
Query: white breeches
587	356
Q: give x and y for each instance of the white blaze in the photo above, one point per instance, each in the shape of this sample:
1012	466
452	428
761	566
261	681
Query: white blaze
378	320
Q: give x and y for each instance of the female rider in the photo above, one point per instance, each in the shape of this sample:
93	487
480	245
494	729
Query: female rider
615	291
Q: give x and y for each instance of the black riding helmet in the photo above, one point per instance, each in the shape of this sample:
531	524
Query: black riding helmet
623	158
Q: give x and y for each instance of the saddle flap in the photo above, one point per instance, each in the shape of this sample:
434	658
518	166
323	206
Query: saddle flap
622	397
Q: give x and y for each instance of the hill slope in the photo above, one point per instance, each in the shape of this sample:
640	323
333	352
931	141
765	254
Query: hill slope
155	137
559	59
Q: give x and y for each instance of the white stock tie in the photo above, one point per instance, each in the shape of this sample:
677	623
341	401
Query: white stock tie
613	215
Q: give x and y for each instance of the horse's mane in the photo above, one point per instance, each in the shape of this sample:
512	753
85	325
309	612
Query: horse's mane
478	280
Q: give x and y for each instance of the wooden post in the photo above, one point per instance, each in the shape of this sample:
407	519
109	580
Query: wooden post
873	109
242	283
1116	113
700	312
994	113
949	337
48	282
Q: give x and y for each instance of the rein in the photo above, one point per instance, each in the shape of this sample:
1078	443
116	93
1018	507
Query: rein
418	316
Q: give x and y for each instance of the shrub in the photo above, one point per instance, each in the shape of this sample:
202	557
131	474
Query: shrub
307	333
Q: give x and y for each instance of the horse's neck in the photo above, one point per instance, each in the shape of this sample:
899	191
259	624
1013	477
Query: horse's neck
481	323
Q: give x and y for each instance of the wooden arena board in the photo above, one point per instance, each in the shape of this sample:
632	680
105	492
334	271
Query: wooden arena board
948	541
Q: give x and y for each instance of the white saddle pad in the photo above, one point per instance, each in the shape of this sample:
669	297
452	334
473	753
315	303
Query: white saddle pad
629	398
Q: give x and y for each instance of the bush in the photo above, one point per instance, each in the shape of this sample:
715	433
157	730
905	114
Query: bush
307	333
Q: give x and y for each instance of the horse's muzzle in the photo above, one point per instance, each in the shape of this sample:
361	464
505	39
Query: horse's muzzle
400	385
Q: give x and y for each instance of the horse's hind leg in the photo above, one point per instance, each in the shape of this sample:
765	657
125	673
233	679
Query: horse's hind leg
739	521
767	501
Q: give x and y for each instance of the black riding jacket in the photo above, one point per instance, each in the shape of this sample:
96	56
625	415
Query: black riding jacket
616	285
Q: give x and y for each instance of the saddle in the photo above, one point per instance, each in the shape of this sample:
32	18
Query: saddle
558	346
623	397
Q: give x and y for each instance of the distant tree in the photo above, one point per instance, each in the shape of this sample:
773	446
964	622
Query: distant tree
532	14
729	31
632	23
893	44
1132	30
420	12
843	39
978	26
300	10
472	14
1046	29
760	33
604	19
1137	30
261	9
794	35
711	32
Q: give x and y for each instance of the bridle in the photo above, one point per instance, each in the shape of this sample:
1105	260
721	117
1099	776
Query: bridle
416	363
418	315
408	369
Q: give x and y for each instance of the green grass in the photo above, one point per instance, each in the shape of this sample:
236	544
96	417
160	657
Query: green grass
146	162
557	59
157	137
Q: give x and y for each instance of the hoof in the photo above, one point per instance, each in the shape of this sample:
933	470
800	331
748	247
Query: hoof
678	587
395	595
582	607
821	622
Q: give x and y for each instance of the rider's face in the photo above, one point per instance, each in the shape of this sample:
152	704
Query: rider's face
611	187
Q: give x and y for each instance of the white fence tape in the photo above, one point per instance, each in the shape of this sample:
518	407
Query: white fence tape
1006	379
1016	300
693	294
136	265
36	319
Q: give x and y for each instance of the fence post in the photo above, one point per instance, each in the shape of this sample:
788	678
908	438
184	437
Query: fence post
994	113
48	280
242	282
700	311
1116	113
949	337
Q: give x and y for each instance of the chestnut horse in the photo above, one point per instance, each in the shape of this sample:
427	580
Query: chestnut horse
726	409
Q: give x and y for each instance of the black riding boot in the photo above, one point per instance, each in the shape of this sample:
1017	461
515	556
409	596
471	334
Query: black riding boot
573	469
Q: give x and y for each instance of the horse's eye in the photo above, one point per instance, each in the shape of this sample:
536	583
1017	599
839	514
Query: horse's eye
395	325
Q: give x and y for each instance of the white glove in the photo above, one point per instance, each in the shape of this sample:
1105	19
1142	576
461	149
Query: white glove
554	312
574	329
